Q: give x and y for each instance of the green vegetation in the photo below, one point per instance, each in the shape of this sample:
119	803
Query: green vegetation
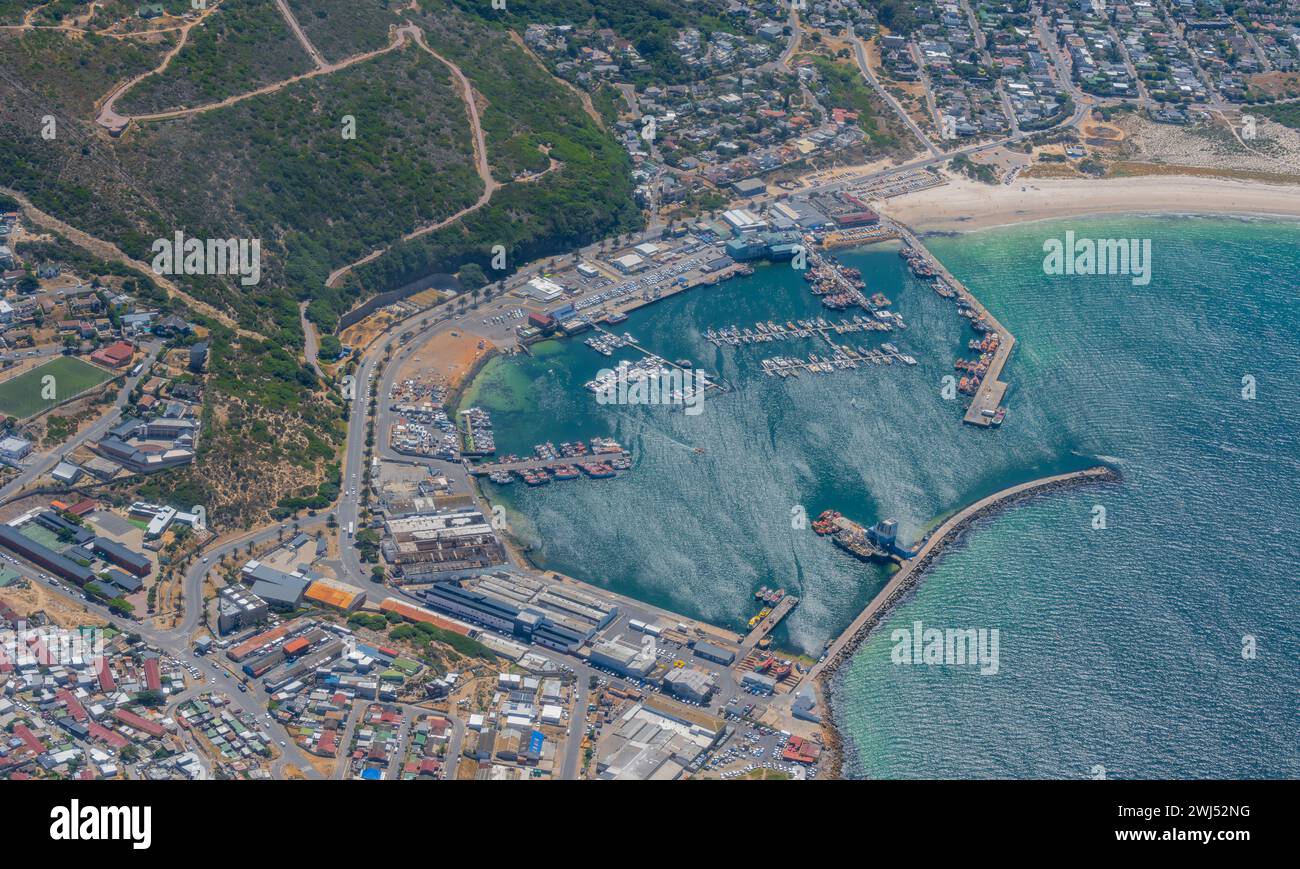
849	90
649	25
243	45
73	73
24	395
371	621
342	28
899	16
1287	114
978	171
589	198
278	168
424	634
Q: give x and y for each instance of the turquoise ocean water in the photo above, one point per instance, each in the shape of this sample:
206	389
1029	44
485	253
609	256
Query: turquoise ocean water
1120	648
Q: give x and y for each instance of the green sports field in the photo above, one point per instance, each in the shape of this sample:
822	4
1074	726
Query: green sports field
21	396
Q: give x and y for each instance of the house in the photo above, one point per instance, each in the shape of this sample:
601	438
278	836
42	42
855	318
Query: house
14	448
114	355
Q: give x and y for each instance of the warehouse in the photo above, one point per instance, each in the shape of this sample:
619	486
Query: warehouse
116	553
716	654
689	684
280	590
623	658
46	558
548	614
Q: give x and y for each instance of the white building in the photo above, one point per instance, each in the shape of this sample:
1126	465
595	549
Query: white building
543	289
15	448
743	220
629	263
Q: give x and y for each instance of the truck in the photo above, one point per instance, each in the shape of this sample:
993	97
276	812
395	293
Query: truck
349	529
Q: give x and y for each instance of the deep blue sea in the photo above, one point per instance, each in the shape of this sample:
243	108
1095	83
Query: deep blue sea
1121	648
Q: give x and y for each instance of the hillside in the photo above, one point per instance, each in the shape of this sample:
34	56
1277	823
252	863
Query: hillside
260	153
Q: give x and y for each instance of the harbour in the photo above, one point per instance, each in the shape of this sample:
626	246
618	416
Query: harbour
840	649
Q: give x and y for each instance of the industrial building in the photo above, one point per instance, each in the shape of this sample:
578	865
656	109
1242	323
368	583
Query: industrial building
329	592
710	652
623	658
14	449
280	590
758	682
445	545
689	684
650	741
115	553
743	220
535	610
12	539
544	290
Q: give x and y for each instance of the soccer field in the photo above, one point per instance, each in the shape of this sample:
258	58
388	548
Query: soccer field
22	396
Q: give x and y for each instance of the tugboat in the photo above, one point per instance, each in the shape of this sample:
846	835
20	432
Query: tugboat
825	523
565	472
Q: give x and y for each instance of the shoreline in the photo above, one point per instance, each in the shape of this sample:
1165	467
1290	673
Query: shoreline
951	531
963	205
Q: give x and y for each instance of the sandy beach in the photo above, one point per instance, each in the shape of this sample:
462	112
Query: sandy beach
964	205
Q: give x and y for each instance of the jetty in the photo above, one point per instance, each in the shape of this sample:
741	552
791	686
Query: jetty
913	569
766	625
983	410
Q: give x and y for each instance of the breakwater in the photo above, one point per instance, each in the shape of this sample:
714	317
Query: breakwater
843	647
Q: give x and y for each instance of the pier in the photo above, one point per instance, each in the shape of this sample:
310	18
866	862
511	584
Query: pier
767	625
912	570
988	396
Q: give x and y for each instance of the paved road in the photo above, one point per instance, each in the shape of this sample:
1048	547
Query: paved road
860	54
572	765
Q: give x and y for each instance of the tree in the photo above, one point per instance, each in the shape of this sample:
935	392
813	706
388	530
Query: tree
471	276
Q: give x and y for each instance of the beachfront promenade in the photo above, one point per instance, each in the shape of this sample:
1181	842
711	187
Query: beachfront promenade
988	397
914	568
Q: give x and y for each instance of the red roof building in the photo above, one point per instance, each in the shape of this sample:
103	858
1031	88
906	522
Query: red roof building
111	738
114	355
75	709
152	674
106	683
801	750
135	722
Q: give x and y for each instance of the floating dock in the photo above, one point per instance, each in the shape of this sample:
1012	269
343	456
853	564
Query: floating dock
765	332
844	358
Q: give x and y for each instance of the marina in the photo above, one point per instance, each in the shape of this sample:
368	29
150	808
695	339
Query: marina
761	333
599	459
843	359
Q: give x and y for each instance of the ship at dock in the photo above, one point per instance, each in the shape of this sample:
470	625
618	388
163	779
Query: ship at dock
876	544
